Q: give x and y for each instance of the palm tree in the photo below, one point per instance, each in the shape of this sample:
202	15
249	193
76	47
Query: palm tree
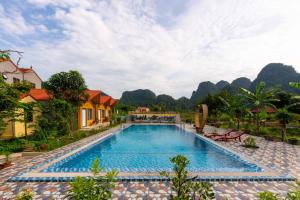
259	100
297	86
284	116
234	107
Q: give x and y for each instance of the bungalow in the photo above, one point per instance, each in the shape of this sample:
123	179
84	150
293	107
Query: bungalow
13	74
97	110
17	127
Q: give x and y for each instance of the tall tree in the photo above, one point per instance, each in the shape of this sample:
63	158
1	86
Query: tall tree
69	86
259	100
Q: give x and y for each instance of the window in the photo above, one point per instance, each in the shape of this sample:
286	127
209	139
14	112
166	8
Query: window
102	113
16	80
90	114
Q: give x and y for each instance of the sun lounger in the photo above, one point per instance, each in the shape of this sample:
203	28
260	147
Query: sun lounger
212	135
231	136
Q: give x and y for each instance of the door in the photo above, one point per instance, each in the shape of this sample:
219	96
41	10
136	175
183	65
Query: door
83	117
99	115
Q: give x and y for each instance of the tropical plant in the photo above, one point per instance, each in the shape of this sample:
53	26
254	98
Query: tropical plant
295	85
259	100
25	194
202	191
284	116
249	142
268	196
183	185
235	107
95	187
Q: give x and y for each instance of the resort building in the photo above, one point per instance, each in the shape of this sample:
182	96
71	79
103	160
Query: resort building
97	110
153	117
18	127
13	74
142	109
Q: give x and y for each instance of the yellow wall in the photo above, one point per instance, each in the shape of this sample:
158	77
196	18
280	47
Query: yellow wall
87	105
95	117
17	128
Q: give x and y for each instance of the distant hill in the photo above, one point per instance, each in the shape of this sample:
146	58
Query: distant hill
277	74
203	90
273	74
139	97
222	84
166	100
241	82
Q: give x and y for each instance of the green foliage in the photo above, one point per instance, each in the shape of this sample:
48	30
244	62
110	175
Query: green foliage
292	195
264	131
9	102
183	185
259	100
69	86
11	146
55	118
268	196
295	85
26	194
5	55
23	86
249	142
295	194
202	191
95	187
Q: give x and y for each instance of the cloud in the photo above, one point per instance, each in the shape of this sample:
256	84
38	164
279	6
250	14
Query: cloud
169	48
13	23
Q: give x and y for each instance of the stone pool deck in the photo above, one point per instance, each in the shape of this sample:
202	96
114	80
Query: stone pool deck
281	157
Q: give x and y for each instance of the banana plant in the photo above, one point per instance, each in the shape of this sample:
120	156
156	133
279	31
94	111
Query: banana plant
259	100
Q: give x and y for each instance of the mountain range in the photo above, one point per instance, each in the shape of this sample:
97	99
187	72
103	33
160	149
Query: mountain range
273	74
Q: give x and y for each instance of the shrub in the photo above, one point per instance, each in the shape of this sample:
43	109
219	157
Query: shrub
268	196
249	142
94	187
182	183
293	141
292	195
264	131
25	194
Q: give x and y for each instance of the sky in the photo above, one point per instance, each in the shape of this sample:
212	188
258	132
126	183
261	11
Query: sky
168	46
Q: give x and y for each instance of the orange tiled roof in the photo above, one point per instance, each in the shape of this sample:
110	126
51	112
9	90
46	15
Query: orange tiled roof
3	60
112	101
25	70
38	94
104	99
92	93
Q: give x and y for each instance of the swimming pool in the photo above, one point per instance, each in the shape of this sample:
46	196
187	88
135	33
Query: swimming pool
148	148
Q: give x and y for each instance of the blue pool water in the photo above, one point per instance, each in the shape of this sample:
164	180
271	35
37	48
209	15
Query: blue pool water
148	148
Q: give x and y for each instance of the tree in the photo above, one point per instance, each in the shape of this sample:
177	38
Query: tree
259	100
234	106
9	101
69	86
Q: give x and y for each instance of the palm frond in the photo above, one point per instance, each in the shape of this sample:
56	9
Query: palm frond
295	85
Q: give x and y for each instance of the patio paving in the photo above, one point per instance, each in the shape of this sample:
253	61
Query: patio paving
279	156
